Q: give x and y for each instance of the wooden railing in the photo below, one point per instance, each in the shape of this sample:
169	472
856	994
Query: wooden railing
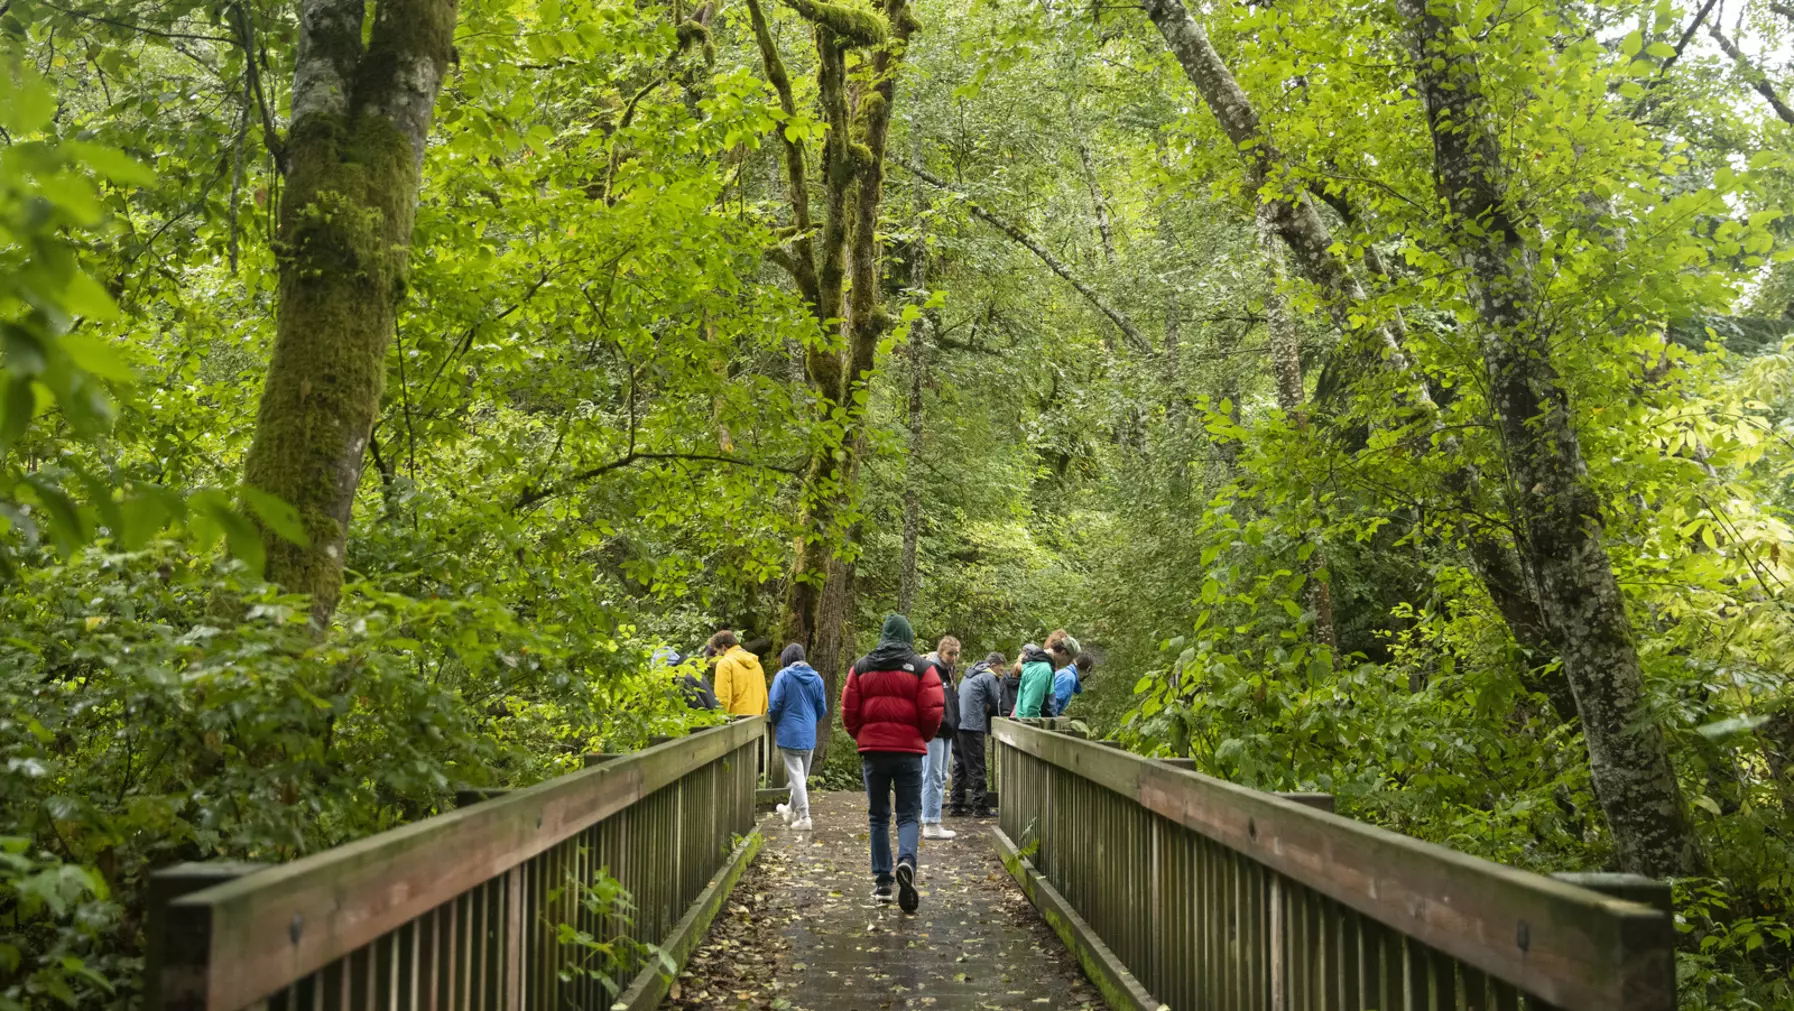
466	910
1178	889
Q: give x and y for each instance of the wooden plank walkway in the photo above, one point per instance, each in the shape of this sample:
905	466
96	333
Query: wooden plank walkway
802	932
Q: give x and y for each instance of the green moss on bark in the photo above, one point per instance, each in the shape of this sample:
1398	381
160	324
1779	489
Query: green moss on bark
345	224
854	26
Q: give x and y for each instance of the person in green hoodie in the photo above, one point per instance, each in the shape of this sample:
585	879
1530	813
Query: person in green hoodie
1037	682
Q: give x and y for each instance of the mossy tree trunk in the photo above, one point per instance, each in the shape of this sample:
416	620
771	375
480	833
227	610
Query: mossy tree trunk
1553	506
353	158
835	269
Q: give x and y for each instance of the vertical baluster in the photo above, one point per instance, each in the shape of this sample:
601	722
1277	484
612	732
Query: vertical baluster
1445	981
357	980
1346	958
333	986
1395	980
1474	985
384	992
1419	972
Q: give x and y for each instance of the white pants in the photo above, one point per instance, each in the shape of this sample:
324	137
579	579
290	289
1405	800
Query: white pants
797	771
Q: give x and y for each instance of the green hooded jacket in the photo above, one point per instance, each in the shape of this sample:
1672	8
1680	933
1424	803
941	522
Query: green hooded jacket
1037	682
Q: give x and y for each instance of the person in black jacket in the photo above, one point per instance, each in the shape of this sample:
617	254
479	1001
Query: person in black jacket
940	750
980	698
691	688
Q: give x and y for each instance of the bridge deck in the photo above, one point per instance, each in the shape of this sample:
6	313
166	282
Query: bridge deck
802	932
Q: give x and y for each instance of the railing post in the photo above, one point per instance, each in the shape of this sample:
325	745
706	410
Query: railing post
178	942
1318	801
473	795
1630	887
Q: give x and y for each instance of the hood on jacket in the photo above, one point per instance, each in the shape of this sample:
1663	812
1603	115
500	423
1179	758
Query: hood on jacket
802	671
981	667
1034	654
891	654
897	629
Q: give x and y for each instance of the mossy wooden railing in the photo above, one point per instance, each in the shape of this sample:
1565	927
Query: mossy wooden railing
467	909
1178	889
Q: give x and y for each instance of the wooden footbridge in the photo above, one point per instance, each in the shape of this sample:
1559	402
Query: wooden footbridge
1171	888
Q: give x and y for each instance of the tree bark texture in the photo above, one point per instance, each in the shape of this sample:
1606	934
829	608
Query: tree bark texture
1553	505
838	278
1104	227
361	116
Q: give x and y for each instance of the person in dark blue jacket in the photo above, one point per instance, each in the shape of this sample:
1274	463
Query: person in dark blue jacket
798	703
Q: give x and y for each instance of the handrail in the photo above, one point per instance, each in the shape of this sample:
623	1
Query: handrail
1556	942
231	945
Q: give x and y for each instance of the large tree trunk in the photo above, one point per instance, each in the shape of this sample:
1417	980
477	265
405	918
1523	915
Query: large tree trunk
1554	507
354	157
820	595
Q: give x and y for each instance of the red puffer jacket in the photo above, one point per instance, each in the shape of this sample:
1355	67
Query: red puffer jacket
892	701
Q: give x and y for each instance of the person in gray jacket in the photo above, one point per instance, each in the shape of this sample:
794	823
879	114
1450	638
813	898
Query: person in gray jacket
980	698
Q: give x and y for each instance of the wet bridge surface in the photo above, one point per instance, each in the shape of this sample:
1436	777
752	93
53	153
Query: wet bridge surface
802	931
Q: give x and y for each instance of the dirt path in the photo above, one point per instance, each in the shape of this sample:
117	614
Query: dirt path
802	932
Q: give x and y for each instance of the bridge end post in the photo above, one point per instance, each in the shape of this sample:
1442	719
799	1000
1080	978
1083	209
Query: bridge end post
178	940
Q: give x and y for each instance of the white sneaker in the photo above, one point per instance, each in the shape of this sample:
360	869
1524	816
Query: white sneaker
801	825
933	831
784	811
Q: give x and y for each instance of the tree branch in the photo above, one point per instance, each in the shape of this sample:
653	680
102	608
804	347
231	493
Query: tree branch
531	496
1023	239
803	259
1758	80
1644	103
244	30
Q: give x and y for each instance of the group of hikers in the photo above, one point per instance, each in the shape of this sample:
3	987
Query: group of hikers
913	719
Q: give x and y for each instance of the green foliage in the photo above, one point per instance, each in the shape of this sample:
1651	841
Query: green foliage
605	958
596	419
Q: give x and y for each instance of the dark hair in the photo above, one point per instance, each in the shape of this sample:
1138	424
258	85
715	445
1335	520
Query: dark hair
1086	662
723	640
793	653
995	659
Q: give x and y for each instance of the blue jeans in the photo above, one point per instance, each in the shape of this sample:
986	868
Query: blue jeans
883	771
934	778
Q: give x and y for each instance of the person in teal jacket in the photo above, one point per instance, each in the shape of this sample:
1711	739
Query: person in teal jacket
1037	682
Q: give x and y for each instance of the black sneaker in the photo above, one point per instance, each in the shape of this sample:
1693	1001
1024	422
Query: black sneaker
907	897
881	894
984	813
956	812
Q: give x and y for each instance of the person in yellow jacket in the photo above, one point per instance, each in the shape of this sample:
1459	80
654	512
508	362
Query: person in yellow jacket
740	681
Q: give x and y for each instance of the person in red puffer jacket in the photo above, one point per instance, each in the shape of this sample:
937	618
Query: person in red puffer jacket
892	705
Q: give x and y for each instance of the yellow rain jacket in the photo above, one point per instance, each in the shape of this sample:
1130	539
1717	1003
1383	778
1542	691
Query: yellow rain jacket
740	683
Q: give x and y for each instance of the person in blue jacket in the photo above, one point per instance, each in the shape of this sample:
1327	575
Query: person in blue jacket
1063	651
798	703
1069	681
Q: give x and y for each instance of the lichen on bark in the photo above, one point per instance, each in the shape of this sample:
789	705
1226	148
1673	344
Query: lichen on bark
354	155
1553	505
